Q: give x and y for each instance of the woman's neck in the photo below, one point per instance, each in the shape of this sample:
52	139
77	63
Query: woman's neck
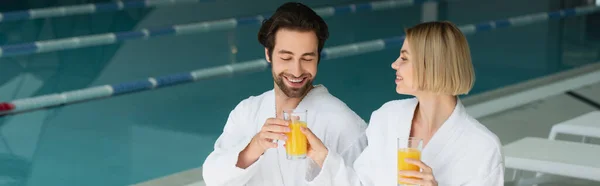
431	113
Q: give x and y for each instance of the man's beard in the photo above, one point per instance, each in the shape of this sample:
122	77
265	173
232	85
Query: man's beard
293	92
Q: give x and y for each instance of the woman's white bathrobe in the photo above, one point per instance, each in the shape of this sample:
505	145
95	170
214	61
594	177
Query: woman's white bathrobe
462	151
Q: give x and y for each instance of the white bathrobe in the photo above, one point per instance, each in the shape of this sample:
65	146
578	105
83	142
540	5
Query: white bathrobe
462	151
340	129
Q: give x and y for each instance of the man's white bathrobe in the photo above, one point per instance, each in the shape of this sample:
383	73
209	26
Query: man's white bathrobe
462	151
340	129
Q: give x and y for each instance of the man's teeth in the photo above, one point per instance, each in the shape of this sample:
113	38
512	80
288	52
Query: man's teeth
295	80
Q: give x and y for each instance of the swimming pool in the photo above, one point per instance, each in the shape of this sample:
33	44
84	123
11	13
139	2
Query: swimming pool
131	138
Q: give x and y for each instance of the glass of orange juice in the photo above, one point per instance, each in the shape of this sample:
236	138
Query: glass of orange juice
296	143
408	148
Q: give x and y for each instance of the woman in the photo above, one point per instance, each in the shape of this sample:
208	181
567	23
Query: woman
435	67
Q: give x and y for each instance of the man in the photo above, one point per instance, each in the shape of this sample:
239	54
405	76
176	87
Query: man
247	153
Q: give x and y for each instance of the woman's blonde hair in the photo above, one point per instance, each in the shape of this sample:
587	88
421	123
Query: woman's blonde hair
441	58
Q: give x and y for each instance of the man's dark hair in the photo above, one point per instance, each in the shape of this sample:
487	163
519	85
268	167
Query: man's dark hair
293	16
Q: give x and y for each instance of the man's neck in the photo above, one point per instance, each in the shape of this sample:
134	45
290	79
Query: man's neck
283	102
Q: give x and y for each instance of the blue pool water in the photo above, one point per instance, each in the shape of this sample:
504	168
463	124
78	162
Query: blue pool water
132	138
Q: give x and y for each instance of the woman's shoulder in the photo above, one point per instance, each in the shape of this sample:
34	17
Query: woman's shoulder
482	142
480	134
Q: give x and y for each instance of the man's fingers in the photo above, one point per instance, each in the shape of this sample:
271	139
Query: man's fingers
269	143
273	136
276	121
276	128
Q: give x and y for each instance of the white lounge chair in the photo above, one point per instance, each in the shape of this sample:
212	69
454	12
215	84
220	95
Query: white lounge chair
555	157
587	125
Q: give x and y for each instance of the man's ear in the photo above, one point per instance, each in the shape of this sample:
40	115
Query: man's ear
267	56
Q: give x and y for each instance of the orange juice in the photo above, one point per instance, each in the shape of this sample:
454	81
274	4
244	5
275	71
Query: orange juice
296	144
408	153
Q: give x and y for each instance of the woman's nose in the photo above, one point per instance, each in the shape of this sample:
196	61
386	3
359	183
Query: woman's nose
395	65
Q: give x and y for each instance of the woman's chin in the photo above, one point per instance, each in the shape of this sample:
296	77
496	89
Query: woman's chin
403	91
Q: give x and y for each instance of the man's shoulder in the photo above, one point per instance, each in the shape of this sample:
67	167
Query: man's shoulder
327	102
340	122
334	108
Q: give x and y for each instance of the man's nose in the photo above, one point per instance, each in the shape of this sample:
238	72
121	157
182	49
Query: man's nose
296	68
